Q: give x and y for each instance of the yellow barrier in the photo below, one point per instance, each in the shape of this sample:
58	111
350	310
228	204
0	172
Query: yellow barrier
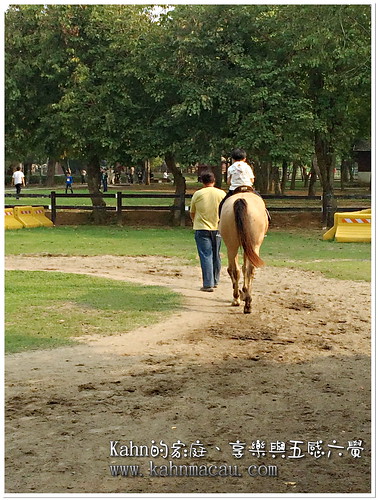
39	214
9	221
350	227
24	215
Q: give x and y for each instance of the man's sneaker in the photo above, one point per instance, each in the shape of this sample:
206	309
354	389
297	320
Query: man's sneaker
207	289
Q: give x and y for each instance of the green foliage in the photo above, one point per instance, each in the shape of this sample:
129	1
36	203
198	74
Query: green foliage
113	81
44	310
333	53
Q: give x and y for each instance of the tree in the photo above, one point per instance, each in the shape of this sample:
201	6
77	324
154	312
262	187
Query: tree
331	58
29	129
113	81
216	83
94	111
64	59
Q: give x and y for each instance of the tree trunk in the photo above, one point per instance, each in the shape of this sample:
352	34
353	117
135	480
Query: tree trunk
262	177
50	172
294	175
284	176
180	183
276	180
270	175
27	171
94	180
323	147
147	172
65	166
344	173
218	175
325	161
305	176
312	182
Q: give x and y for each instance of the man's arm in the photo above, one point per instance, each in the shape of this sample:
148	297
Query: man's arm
192	209
192	212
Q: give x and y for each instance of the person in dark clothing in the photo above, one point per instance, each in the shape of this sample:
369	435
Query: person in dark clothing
104	179
69	182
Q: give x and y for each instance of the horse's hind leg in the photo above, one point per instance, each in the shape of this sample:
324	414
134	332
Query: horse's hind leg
234	272
248	275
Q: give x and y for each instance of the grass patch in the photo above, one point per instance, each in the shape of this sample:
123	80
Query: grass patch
301	249
343	270
46	309
310	246
103	240
345	261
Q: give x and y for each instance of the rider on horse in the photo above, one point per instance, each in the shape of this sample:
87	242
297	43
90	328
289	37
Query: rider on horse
240	177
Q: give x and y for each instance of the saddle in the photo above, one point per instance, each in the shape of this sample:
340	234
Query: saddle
243	189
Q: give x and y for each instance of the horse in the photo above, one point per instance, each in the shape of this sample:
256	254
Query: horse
243	223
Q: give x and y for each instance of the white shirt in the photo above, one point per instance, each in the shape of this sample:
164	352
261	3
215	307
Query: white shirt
241	174
18	176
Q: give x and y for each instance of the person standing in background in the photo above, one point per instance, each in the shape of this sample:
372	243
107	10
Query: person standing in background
104	179
69	182
18	180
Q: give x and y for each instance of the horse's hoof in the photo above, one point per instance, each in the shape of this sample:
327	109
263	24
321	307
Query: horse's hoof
247	311
235	303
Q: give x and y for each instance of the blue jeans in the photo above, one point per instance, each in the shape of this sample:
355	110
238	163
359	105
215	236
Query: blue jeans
208	246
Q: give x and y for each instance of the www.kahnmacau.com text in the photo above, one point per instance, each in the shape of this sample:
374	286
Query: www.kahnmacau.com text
203	470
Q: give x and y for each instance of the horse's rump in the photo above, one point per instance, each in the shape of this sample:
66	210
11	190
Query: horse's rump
245	232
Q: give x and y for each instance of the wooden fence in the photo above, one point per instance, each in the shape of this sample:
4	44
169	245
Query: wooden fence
179	207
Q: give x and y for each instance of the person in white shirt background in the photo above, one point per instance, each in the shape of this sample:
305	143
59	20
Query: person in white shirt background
18	180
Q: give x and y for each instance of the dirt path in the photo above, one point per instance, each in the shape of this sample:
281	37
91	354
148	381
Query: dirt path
297	369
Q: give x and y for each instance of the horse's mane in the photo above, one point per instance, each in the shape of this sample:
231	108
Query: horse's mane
245	232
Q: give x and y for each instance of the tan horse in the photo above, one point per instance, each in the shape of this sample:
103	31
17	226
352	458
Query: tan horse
243	223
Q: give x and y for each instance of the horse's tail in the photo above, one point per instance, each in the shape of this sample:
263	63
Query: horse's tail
244	229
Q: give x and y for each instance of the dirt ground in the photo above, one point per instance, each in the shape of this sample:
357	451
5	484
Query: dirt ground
297	371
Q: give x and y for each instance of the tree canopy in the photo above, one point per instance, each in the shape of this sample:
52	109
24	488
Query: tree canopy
119	81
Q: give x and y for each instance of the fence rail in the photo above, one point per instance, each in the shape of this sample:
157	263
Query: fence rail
179	202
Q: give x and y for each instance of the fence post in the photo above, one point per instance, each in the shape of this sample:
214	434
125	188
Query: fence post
329	208
53	206
119	206
182	209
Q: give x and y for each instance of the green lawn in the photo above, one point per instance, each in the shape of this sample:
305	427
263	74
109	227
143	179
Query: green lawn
57	307
299	249
49	309
103	240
